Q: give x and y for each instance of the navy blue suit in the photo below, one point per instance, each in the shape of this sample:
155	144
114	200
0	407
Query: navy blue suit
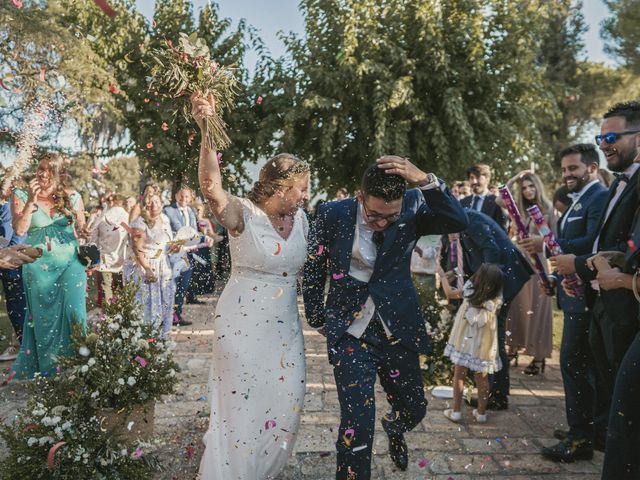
394	359
489	208
576	234
484	241
12	279
176	219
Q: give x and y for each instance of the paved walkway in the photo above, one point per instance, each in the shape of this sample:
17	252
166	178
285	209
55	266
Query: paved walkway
505	448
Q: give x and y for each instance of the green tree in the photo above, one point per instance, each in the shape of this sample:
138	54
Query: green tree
620	31
169	146
42	59
444	83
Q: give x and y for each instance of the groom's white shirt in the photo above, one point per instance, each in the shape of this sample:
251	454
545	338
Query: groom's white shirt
363	258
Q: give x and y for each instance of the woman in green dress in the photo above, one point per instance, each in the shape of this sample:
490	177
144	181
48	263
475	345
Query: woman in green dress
50	213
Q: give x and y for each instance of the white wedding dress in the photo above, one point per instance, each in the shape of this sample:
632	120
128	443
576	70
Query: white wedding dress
257	376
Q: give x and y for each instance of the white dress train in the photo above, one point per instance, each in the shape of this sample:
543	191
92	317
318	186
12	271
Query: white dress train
257	375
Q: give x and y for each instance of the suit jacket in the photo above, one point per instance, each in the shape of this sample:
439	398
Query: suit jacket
177	220
614	234
6	231
391	287
490	208
484	241
577	236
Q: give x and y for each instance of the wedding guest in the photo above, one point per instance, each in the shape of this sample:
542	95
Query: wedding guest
180	214
530	318
111	239
605	177
148	263
484	241
464	189
614	311
51	214
561	200
483	200
576	231
473	342
202	280
137	207
342	193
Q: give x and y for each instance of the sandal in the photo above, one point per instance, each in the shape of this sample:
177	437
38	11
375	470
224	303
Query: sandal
455	417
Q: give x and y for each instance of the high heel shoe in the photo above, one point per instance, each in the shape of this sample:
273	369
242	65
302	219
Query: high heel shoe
513	358
535	367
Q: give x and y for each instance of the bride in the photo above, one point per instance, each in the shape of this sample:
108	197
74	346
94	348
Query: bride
257	375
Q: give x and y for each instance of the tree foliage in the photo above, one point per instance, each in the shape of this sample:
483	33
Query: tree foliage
620	30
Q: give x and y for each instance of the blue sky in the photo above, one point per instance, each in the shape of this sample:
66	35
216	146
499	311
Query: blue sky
272	16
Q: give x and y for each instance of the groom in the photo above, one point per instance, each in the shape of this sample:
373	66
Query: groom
372	317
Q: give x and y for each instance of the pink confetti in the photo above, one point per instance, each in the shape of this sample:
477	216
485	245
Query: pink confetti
320	249
48	242
259	100
347	438
52	454
43	70
141	361
9	378
113	88
137	453
17	3
394	373
423	463
164	126
269	424
338	276
278	249
219	157
632	246
149	145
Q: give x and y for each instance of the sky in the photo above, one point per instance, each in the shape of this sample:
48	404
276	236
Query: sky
272	16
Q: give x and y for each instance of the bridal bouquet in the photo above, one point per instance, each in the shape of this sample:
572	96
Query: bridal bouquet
179	71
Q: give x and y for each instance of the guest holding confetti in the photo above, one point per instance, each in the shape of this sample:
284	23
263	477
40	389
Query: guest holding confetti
52	216
257	377
473	342
148	264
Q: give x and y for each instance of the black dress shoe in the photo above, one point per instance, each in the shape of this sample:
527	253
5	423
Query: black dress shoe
560	434
398	450
568	451
195	301
493	404
184	323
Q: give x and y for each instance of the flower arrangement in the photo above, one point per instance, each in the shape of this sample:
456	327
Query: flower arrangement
62	433
185	69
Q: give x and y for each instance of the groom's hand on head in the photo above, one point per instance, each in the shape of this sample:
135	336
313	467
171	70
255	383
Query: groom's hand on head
403	167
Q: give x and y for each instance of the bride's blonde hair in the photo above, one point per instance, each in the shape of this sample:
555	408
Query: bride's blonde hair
278	172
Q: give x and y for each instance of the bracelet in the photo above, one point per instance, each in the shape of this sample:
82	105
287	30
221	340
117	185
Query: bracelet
634	286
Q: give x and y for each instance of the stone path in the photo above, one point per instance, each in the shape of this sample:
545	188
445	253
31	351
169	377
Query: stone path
505	448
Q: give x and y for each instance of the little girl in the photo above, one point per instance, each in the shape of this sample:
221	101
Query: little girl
473	342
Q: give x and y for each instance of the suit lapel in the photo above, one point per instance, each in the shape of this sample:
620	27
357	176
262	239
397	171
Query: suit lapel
631	185
348	227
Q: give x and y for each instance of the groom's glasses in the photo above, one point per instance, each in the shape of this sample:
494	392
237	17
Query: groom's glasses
378	218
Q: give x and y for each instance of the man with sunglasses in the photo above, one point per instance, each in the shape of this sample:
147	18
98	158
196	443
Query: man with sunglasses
372	316
614	312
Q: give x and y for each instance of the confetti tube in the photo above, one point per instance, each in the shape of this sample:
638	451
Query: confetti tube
549	238
512	209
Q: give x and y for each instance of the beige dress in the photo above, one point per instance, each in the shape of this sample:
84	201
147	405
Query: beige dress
530	317
473	342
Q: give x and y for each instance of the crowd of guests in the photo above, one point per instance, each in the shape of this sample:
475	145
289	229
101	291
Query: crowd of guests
486	270
159	246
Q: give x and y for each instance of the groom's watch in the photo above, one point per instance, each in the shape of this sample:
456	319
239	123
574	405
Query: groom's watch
429	183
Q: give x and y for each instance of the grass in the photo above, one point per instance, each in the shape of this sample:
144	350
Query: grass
558	320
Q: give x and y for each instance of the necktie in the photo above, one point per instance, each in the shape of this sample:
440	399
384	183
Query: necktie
185	216
476	202
378	240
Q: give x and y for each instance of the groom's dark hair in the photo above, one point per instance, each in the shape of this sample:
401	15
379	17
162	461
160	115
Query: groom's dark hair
376	182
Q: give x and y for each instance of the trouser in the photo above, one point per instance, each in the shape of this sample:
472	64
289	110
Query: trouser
584	418
609	339
500	381
356	362
622	456
182	287
15	299
107	283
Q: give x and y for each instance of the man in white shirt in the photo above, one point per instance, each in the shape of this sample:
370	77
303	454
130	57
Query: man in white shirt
111	239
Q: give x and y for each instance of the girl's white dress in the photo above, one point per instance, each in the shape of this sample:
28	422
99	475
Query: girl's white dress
473	342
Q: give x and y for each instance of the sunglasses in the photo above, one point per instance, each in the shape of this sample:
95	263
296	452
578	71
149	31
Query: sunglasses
378	218
612	137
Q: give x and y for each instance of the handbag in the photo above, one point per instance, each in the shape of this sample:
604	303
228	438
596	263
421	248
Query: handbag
89	255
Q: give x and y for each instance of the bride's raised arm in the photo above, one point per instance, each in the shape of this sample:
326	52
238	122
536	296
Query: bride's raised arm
226	207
